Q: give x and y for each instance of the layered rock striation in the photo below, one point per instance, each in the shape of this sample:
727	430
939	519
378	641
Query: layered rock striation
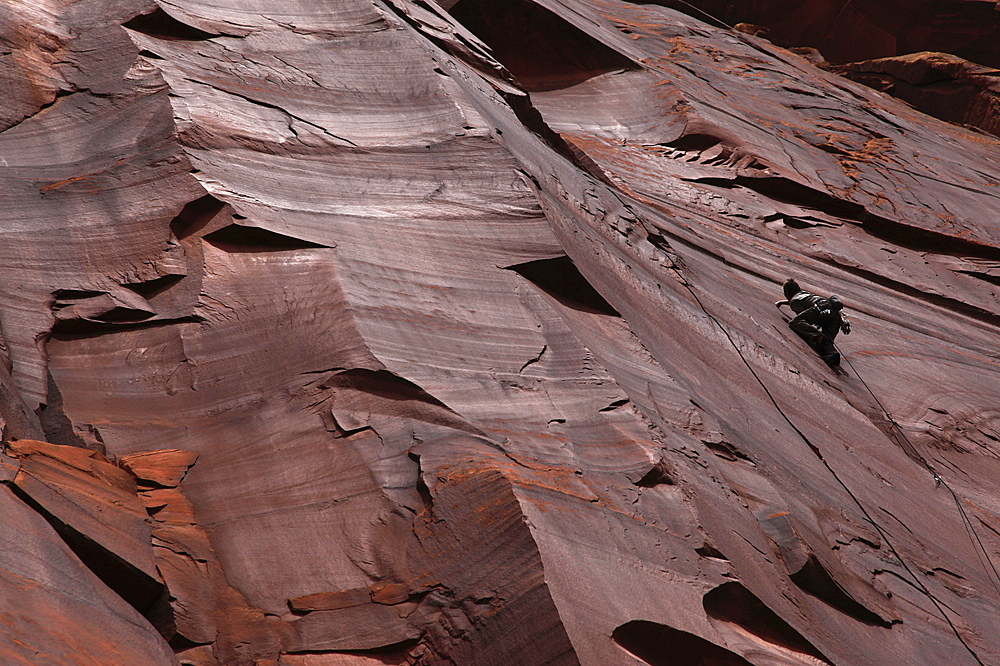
385	331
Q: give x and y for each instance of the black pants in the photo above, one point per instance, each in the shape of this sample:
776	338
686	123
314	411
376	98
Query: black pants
819	337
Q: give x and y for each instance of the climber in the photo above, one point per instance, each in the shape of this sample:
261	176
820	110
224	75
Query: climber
817	319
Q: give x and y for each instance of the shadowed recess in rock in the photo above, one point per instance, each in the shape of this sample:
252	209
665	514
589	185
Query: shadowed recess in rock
162	25
155	287
659	474
128	582
660	645
112	322
815	580
846	31
561	279
541	50
733	603
195	216
237	238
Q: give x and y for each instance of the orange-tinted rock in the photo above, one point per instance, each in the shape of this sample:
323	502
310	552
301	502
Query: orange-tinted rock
475	299
364	627
330	600
202	607
8	468
93	505
391	593
54	610
940	85
164	468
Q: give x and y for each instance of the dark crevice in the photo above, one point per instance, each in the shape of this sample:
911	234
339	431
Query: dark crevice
151	288
536	359
114	319
75	294
531	117
901	235
422	490
696	142
56	425
788	191
522	105
660	645
77	329
195	216
128	582
711	551
177	641
725	450
733	603
542	50
161	616
123	315
814	579
985	277
922	240
659	475
560	279
412	401
162	25
384	384
238	238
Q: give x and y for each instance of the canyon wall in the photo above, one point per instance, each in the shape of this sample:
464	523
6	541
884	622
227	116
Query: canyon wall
391	332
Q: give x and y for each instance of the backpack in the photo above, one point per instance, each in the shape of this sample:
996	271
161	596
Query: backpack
803	300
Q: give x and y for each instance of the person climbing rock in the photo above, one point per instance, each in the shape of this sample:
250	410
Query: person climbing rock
817	320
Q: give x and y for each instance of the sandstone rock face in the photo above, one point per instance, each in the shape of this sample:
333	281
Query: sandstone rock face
393	332
938	84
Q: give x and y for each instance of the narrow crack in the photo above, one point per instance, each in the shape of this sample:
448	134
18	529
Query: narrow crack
268	105
534	360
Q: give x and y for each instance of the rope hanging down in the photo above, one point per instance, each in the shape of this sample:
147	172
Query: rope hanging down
882	533
911	451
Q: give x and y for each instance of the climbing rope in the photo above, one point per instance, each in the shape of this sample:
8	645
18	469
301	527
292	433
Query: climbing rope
970	528
912	451
885	537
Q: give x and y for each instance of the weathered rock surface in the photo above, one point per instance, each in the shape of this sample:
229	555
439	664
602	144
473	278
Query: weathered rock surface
390	332
55	610
938	84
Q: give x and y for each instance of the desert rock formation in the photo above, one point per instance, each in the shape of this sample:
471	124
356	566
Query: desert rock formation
392	332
